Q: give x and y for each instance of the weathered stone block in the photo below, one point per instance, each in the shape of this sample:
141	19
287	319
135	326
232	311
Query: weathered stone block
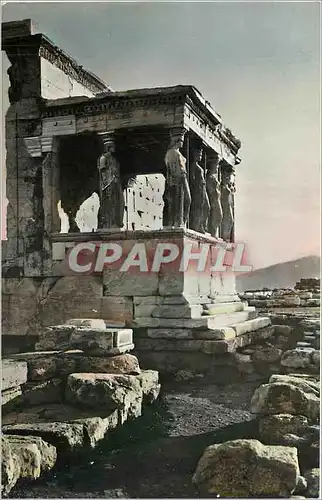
251	325
40	393
14	373
149	380
54	337
122	364
66	437
246	468
273	428
102	390
44	365
48	453
127	284
284	397
10	395
296	358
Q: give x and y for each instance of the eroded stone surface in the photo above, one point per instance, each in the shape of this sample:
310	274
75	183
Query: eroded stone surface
284	397
273	428
247	468
66	437
14	373
124	363
110	391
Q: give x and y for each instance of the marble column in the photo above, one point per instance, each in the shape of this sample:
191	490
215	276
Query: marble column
112	204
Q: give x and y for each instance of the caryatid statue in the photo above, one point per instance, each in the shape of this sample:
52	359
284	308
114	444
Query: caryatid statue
227	202
200	207
177	195
111	212
214	194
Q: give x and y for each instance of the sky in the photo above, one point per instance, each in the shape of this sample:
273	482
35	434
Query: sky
258	63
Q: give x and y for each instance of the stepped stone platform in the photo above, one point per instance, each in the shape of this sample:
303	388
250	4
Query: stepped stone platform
194	336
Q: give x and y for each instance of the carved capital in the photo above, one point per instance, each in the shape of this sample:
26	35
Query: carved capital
37	146
108	138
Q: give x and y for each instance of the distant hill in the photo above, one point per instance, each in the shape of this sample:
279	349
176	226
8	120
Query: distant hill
282	275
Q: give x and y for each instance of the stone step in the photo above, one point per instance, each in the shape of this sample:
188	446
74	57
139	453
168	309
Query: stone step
215	309
205	322
207	346
251	325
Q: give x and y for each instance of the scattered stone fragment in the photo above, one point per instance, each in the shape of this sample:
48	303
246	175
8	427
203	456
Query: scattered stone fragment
273	428
149	380
267	354
296	358
48	453
281	397
66	437
313	482
301	486
10	467
247	468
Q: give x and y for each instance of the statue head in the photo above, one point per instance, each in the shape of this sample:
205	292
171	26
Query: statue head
197	153
213	161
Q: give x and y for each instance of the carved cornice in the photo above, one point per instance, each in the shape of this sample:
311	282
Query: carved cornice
69	66
40	46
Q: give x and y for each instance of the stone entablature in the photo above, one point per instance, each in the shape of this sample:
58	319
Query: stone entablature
178	106
22	45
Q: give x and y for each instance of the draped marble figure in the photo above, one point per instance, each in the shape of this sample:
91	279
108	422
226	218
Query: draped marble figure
111	212
214	194
177	192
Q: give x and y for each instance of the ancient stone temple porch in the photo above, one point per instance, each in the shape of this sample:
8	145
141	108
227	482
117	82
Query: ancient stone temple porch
63	146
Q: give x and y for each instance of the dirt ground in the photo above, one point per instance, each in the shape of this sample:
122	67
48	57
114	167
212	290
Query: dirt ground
156	455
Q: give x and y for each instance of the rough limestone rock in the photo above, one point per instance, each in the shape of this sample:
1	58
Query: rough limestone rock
266	354
303	383
247	468
284	330
281	397
48	453
10	467
122	364
301	486
316	357
66	437
53	337
297	358
45	365
149	380
273	428
13	373
103	390
313	482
